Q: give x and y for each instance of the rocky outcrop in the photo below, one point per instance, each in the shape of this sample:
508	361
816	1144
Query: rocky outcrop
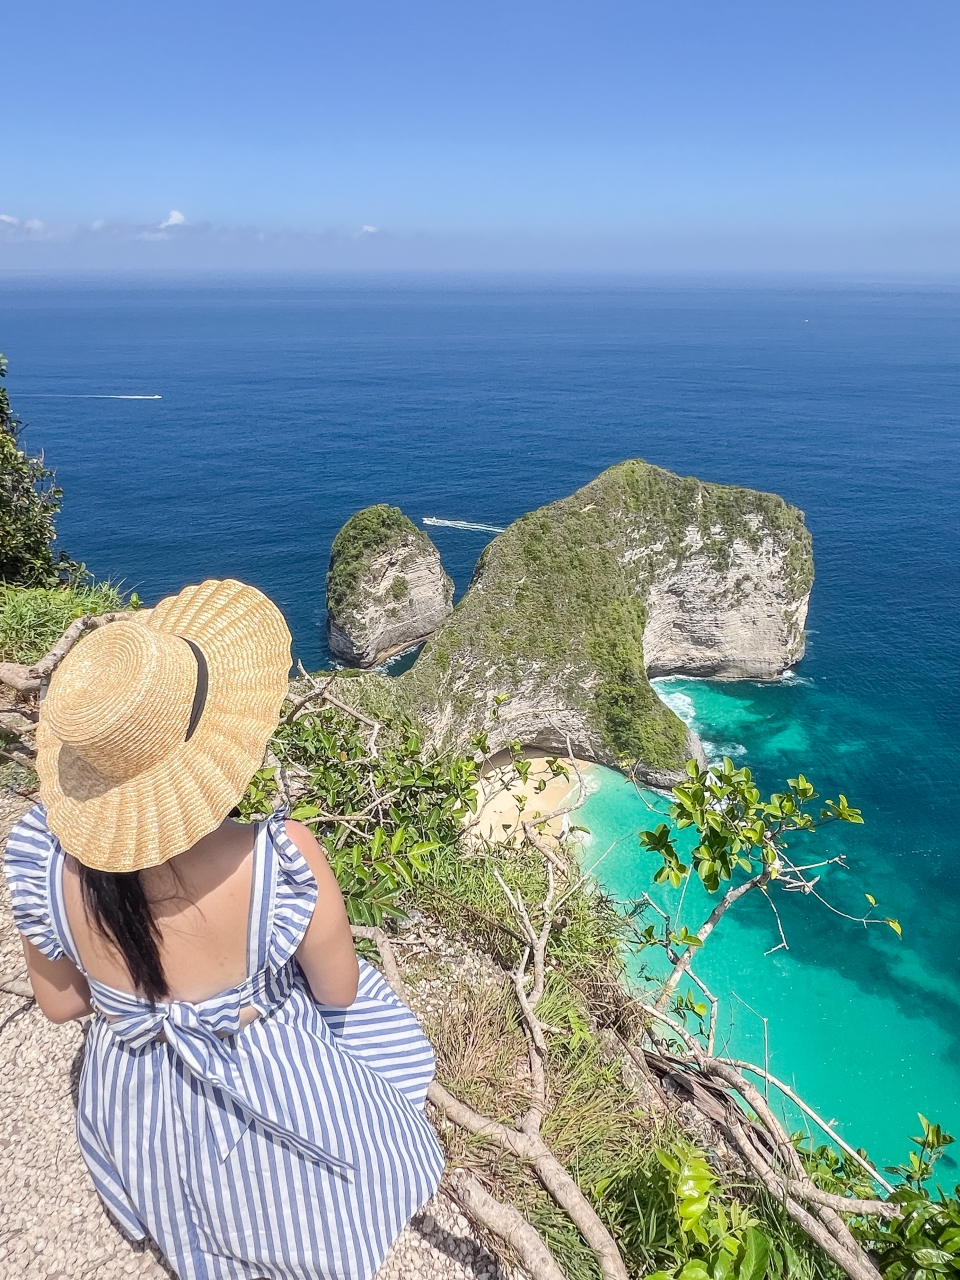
386	588
738	619
639	573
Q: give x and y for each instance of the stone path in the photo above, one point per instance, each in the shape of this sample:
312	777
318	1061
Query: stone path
53	1226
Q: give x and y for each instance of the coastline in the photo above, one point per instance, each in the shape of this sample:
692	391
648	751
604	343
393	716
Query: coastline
498	817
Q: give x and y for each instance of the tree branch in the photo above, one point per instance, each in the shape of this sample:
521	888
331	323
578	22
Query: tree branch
708	926
854	1262
505	1222
27	678
824	1225
845	1204
808	1110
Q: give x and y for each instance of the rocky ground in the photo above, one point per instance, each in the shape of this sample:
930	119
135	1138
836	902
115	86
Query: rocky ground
53	1226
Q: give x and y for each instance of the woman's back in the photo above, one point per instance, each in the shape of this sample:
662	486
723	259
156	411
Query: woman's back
200	902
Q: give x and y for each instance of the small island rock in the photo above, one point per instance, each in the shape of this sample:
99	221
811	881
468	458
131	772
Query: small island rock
386	588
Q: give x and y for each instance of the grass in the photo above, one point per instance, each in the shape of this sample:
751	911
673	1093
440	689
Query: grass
33	618
595	1124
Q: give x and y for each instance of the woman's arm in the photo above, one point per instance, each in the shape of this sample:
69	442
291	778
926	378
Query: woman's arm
326	954
59	986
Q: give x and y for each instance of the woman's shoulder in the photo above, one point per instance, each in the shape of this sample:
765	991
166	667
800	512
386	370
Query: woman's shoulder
29	844
281	915
26	864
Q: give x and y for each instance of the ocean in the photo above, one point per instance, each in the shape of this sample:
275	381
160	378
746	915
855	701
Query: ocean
289	403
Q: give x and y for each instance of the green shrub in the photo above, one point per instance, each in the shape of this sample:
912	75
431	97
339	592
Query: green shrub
378	817
33	618
29	500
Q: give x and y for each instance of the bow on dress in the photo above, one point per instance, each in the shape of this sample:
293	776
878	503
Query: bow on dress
204	1052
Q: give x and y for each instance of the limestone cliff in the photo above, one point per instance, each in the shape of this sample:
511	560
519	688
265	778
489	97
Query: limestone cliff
640	572
386	588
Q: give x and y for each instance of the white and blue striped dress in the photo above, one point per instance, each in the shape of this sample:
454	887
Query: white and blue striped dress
294	1149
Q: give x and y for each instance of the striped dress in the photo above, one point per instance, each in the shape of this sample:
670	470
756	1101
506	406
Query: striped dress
294	1149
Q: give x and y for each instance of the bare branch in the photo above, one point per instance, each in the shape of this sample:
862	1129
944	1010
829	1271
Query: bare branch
817	1119
45	668
845	1204
322	693
27	678
708	926
714	1009
782	944
824	1225
19	677
850	1258
505	1222
298	706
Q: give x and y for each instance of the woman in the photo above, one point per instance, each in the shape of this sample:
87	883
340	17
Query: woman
251	1097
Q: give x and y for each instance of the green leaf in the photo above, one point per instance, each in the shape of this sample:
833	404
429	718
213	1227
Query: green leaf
932	1258
723	1266
756	1251
694	1270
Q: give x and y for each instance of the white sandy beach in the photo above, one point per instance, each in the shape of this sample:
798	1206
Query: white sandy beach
506	802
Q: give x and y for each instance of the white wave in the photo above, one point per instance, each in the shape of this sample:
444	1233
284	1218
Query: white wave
592	782
397	657
681	704
463	524
715	751
62	395
790	677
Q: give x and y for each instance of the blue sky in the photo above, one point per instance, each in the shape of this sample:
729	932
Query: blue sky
680	133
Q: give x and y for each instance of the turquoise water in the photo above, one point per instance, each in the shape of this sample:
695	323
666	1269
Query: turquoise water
857	1022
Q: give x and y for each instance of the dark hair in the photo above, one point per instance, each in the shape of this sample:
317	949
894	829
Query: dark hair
121	913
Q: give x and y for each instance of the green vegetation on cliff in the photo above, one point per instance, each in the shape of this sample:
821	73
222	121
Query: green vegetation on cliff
549	639
371	530
29	500
553	593
640	1132
33	618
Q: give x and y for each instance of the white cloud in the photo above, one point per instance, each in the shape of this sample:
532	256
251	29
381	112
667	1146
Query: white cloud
176	219
371	231
33	224
98	225
5	217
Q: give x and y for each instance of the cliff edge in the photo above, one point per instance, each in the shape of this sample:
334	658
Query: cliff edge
386	588
639	573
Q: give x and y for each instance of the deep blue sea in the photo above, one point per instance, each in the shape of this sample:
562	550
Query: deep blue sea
287	404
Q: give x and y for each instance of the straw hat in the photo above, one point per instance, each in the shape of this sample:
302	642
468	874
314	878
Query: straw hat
154	725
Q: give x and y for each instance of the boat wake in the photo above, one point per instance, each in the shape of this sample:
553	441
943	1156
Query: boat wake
66	395
463	524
